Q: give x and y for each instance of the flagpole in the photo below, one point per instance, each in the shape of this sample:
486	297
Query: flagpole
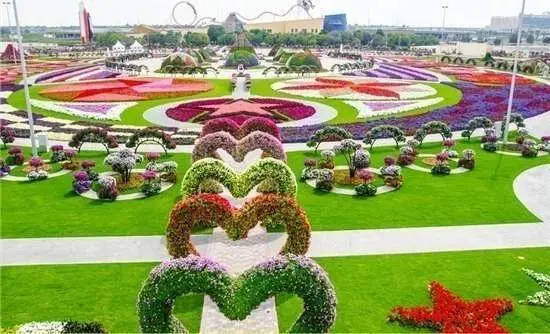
25	82
514	73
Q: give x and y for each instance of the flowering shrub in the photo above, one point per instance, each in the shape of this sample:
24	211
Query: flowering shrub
529	148
348	148
309	171
87	166
545	145
151	185
211	186
441	166
221	124
167	170
207	145
36	162
16	156
325	178
449	143
327	159
151	135
366	190
384	131
4	168
475	123
361	159
211	210
433	127
71	163
328	134
490	143
6	135
123	162
239	185
37	175
515	118
93	135
468	159
261	124
541	298
107	187
452	314
237	297
152	156
57	153
82	182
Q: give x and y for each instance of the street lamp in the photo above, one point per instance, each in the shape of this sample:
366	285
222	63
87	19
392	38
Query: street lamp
514	73
443	25
25	82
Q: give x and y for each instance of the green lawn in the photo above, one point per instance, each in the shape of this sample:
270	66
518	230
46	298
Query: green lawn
483	196
367	287
348	114
131	116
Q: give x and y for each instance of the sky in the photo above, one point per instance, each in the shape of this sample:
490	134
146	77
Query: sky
460	13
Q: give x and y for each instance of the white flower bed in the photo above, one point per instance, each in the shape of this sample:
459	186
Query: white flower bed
56	120
12	118
5	108
365	110
115	108
25	126
52	327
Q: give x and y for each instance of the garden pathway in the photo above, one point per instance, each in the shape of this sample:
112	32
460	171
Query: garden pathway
532	187
539	125
323	244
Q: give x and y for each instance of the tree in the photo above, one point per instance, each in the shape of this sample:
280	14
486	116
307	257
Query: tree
530	39
215	32
196	39
226	39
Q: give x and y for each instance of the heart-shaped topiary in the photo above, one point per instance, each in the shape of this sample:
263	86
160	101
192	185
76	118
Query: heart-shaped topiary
211	210
239	185
205	147
237	298
250	125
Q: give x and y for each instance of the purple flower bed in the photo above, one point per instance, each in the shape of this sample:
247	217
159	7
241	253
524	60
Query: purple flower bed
394	72
64	71
100	75
529	101
11	87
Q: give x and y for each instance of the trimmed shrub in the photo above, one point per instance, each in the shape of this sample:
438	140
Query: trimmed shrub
237	297
328	134
93	135
151	135
475	123
304	58
241	56
384	131
433	127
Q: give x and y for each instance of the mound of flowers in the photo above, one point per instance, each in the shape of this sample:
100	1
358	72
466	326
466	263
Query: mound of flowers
237	297
492	78
394	71
240	110
211	210
206	146
304	58
59	327
239	131
125	89
452	314
540	298
242	56
239	185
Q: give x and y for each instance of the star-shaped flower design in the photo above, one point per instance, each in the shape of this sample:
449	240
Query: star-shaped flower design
332	87
452	314
541	298
239	106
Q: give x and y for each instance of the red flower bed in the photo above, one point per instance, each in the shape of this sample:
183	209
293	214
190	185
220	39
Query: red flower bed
239	111
452	314
493	78
127	89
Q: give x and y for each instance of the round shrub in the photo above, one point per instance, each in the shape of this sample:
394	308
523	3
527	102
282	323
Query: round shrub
304	58
237	297
384	131
325	178
259	124
433	127
221	124
245	57
328	134
366	189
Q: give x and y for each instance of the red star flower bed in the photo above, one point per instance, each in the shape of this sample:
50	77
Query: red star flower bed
125	89
452	314
493	78
239	110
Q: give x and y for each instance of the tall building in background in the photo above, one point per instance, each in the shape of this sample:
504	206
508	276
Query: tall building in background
86	32
336	22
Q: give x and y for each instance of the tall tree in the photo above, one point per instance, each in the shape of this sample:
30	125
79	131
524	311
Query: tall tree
214	32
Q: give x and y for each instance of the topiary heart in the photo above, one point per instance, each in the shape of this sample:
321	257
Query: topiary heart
237	297
211	210
206	146
239	185
239	131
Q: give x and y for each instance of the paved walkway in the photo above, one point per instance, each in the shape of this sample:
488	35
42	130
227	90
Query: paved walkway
323	244
539	125
532	187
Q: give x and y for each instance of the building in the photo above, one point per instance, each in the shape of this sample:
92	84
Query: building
337	22
313	25
530	22
86	32
233	24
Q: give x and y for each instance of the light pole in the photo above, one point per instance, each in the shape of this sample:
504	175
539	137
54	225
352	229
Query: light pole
514	73
25	82
443	25
7	4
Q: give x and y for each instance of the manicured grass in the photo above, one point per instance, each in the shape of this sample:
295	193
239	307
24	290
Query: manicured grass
131	116
367	287
482	196
49	208
348	114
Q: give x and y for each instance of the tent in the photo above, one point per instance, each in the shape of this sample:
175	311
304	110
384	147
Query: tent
118	47
136	48
11	53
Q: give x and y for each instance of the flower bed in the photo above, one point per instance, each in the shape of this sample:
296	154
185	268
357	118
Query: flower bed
239	111
126	89
237	297
250	125
394	71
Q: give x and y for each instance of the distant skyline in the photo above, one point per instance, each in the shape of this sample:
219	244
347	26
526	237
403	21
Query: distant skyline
460	13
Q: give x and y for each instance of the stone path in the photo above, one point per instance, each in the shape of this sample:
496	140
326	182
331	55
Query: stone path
240	91
323	244
532	187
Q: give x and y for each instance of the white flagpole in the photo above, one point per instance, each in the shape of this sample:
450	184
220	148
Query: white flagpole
25	83
515	70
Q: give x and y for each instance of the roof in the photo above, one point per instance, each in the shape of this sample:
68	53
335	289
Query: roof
136	45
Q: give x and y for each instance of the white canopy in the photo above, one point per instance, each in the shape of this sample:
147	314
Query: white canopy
118	47
136	46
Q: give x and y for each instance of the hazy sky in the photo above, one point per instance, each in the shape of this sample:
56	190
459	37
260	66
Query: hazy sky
465	13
